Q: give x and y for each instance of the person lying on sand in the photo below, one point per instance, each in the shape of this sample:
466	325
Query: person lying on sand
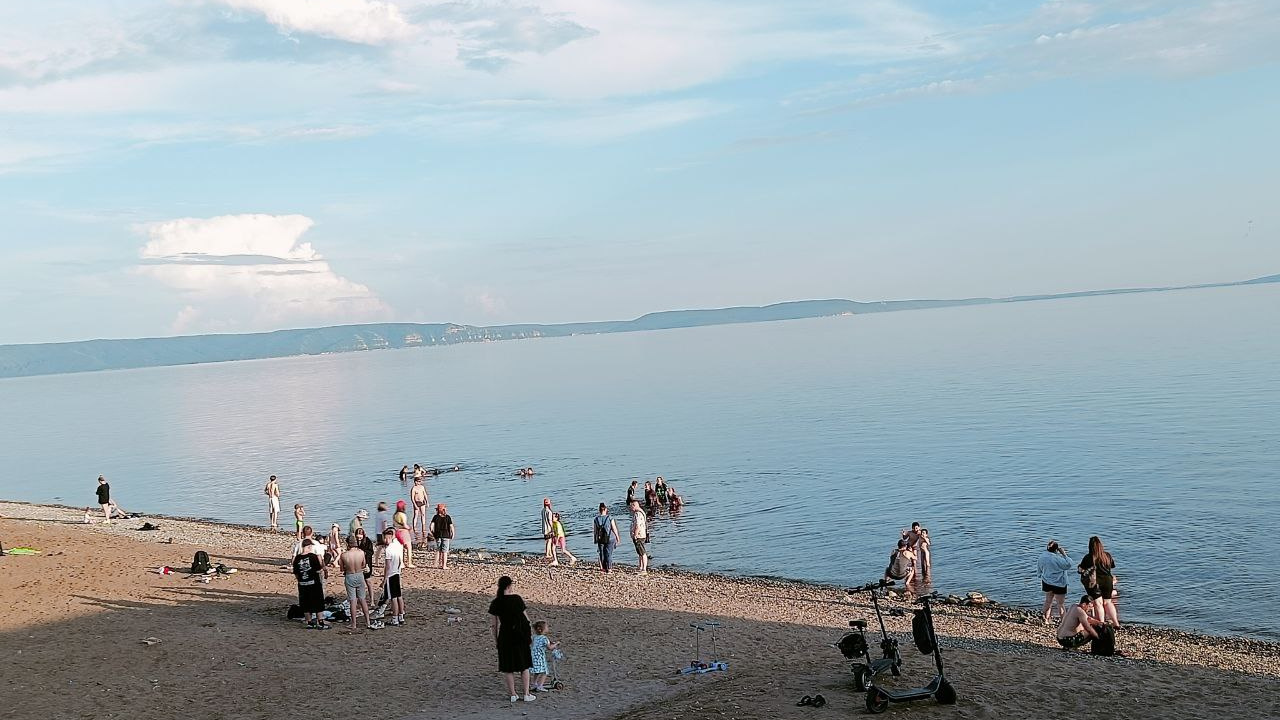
1076	629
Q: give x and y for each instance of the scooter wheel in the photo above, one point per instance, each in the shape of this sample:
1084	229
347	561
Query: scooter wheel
895	670
876	702
946	694
860	679
557	685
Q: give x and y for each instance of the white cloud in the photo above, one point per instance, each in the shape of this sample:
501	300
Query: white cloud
368	22
250	272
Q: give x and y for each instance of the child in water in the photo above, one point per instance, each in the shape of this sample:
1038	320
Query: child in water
541	646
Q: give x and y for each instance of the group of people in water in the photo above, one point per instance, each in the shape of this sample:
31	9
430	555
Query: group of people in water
1095	615
911	562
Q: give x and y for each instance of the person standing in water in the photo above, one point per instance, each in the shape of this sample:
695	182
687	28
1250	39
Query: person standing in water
419	497
104	498
660	489
272	491
548	537
404	474
631	492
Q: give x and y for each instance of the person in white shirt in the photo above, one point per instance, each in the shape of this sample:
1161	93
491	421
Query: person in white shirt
640	535
1053	566
393	561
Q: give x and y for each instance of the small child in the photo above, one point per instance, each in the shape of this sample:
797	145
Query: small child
557	532
541	646
299	519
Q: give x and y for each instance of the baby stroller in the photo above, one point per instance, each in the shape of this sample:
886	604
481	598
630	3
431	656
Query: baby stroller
554	660
855	647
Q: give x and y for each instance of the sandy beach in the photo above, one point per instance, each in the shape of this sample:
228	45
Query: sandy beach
78	612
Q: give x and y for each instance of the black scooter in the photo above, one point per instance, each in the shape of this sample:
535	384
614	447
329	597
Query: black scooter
854	645
878	698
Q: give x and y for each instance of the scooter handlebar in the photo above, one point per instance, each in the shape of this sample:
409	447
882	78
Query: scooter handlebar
877	585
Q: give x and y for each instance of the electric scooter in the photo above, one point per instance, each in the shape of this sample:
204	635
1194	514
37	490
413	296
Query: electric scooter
878	698
854	645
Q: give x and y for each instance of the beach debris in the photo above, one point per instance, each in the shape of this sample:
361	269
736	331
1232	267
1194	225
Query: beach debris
452	611
149	641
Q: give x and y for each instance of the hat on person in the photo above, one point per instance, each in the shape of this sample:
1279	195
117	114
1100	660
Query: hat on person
400	505
362	514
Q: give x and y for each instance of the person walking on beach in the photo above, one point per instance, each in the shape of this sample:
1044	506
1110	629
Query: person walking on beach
640	536
513	635
557	529
272	491
548	536
418	495
353	565
443	530
1053	566
104	499
309	572
393	562
605	533
1099	581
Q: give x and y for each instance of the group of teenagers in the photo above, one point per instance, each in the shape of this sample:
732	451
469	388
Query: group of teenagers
1094	618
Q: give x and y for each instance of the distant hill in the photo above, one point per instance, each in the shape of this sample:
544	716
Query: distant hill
90	355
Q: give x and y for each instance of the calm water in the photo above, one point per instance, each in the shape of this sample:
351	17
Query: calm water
802	447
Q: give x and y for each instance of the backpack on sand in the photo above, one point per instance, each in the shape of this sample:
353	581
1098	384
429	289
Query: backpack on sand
200	564
1105	644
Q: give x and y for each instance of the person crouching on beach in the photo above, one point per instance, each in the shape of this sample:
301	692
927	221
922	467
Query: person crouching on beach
1076	629
901	564
443	530
1053	566
605	533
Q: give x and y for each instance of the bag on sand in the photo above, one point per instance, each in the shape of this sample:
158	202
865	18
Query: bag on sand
200	564
1105	644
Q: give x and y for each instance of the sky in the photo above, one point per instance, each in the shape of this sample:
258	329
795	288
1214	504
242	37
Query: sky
191	166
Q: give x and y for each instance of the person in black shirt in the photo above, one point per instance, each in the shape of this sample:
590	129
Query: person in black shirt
366	544
309	571
104	498
443	530
513	635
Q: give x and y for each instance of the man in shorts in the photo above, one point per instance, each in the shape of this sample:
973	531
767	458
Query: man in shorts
272	491
353	566
419	497
393	562
443	530
640	535
901	564
1076	629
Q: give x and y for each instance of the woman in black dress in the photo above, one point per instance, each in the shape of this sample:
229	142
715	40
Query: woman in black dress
1098	566
514	636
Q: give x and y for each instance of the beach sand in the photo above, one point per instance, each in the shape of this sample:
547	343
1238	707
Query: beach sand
76	615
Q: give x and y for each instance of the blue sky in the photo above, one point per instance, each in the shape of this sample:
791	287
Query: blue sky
171	167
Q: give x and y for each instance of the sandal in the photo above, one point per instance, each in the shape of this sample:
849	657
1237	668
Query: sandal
806	700
818	701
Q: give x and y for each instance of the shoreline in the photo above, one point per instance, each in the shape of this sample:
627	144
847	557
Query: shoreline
991	612
1015	613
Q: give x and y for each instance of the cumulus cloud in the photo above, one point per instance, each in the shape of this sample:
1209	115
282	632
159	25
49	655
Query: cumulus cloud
250	272
367	22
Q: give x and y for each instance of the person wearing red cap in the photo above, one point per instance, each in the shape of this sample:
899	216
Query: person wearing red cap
548	532
443	530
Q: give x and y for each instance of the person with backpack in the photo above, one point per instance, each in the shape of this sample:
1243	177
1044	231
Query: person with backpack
605	532
1096	575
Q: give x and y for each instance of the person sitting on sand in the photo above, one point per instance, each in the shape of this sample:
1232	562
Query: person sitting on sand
443	531
901	564
1076	629
1053	566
